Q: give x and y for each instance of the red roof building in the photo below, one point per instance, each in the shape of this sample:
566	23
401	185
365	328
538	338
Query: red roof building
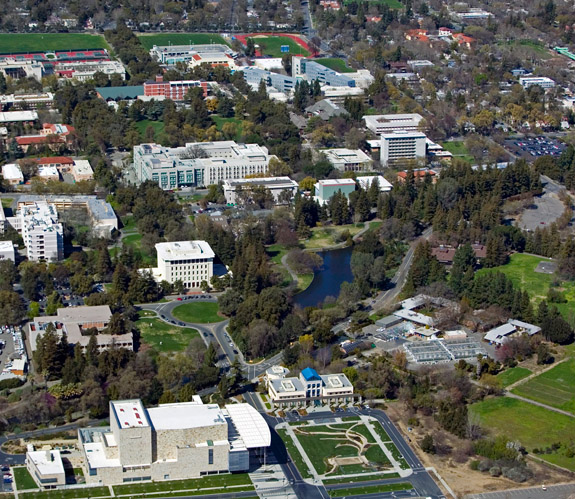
174	90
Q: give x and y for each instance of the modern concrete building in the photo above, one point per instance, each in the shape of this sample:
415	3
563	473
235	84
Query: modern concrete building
190	262
542	81
22	69
82	170
47	173
388	123
7	251
325	189
83	71
25	117
195	55
198	164
365	183
348	160
171	442
13	102
339	94
12	173
311	71
46	468
236	189
281	83
401	146
75	321
310	388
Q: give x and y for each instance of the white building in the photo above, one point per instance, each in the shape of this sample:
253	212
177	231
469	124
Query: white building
83	71
199	164
195	55
236	188
82	170
43	235
190	262
268	63
348	160
48	172
18	116
338	94
362	77
26	101
401	146
388	123
46	468
22	68
326	188
276	372
542	81
365	183
12	173
171	442
310	387
7	251
513	327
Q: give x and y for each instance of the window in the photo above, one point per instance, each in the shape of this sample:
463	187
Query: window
210	456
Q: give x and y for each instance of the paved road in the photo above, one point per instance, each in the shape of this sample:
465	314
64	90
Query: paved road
387	297
563	491
422	482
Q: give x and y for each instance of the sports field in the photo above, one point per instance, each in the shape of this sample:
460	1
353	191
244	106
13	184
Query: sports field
533	426
521	270
555	387
45	42
510	376
164	337
148	41
271	46
334	63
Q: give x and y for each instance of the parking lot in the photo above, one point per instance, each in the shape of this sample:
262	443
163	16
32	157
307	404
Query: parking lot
545	209
531	148
12	346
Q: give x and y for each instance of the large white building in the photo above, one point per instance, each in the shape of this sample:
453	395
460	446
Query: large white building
43	235
388	123
83	71
348	160
234	189
542	81
12	173
199	164
310	387
194	55
401	146
171	442
190	262
7	251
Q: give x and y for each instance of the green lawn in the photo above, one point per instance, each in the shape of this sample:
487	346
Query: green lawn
220	481
370	489
521	270
148	41
334	63
381	432
68	493
135	242
364	478
555	387
323	237
510	376
397	456
220	122
533	426
23	479
295	454
6	202
376	455
303	281
458	149
276	252
271	45
538	48
158	127
11	43
198	312
164	337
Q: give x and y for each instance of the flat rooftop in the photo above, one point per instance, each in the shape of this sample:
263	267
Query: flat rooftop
184	249
266	181
336	181
84	314
48	462
250	424
130	414
185	415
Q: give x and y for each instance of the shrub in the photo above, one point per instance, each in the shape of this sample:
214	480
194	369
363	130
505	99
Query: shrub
495	471
474	465
484	465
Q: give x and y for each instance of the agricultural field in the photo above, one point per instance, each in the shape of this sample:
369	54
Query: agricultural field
555	387
513	375
271	46
11	43
148	41
535	427
198	312
164	337
521	270
335	63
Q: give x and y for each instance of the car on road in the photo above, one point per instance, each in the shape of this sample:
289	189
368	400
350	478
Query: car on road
179	298
235	351
181	324
206	335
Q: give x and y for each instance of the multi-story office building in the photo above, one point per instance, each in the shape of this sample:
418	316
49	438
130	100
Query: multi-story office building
85	70
175	90
281	83
13	102
194	55
401	146
348	160
311	70
325	189
388	123
190	262
310	388
41	231
542	81
171	442
198	164
235	189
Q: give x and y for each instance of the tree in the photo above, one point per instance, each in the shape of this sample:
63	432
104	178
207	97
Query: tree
463	260
427	444
557	330
307	184
12	307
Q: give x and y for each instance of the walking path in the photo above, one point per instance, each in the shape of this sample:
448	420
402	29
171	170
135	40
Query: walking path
545	406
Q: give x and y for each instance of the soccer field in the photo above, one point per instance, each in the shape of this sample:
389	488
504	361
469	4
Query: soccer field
148	41
555	387
38	42
271	46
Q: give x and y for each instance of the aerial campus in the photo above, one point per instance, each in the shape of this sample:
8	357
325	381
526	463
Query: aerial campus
287	249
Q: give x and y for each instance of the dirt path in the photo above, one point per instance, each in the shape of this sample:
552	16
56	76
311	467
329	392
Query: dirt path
545	406
535	374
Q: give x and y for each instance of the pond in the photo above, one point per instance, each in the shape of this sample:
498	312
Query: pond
327	281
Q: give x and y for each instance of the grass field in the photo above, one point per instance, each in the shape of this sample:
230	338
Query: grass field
537	48
220	122
271	45
158	127
555	387
323	237
37	42
510	376
363	478
370	489
335	63
135	242
397	456
164	337
276	252
458	150
521	270
533	426
295	454
68	494
304	281
23	479
198	312
148	41
219	481
6	202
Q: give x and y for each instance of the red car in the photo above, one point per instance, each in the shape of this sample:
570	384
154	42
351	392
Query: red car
179	299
